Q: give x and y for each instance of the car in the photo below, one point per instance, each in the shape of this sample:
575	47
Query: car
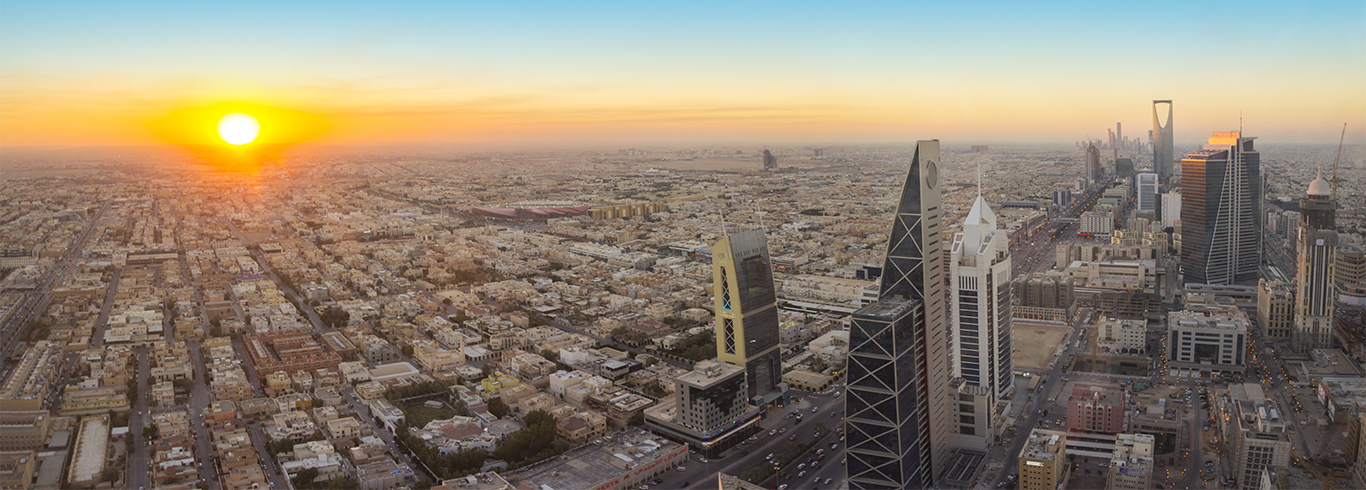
815	409
801	466
682	468
704	460
782	487
841	461
827	481
834	446
773	432
820	451
799	475
770	456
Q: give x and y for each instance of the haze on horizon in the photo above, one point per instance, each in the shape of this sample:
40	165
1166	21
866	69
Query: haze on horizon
437	74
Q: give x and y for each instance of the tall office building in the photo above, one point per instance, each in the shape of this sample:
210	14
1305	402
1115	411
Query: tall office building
1314	291
1147	191
1162	143
1170	210
1220	210
897	400
1124	167
980	289
1093	171
770	161
747	313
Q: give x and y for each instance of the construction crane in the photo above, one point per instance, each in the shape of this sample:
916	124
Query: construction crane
1335	162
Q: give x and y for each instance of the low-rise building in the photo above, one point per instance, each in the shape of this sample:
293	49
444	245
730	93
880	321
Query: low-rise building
1098	408
627	461
1043	465
384	474
1207	338
1131	465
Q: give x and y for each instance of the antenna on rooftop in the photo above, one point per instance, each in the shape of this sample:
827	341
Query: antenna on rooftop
723	223
979	178
1335	162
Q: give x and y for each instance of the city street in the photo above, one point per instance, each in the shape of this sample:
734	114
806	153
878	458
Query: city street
743	457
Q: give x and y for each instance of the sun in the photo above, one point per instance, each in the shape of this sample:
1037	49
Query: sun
238	128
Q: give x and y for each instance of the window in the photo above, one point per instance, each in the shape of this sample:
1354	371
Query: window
730	335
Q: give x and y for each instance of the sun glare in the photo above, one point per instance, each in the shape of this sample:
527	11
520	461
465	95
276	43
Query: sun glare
238	128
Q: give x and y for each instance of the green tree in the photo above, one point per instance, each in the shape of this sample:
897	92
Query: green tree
305	477
498	408
534	443
407	350
110	475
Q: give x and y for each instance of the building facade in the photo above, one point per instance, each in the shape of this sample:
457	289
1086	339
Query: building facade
1094	172
1220	210
747	333
1207	340
710	396
1147	191
1043	465
981	299
1275	308
897	397
1163	152
1096	408
1314	287
1350	273
1131	464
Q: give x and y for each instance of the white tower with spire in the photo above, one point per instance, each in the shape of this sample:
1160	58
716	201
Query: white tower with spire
980	298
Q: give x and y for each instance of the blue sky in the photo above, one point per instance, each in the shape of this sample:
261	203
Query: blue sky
872	71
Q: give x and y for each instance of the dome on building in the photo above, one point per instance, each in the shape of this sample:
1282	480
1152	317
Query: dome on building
1320	187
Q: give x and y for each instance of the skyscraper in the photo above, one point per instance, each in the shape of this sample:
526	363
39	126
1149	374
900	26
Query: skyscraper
770	161
747	313
979	306
980	290
1220	210
1093	171
1314	287
1162	143
1147	191
897	399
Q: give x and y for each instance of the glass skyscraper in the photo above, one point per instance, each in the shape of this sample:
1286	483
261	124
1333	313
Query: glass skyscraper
747	313
1220	208
897	403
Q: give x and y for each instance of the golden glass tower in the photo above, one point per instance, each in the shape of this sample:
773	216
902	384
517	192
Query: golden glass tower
747	312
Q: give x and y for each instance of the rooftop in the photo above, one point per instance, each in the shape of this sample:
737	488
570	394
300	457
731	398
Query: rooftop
591	464
707	372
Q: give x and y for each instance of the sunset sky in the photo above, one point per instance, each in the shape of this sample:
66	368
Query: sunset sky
106	73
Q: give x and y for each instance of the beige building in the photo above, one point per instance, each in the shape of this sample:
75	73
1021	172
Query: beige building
1043	464
1131	465
16	470
24	430
1275	308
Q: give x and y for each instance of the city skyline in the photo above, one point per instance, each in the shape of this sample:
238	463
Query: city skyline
444	74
